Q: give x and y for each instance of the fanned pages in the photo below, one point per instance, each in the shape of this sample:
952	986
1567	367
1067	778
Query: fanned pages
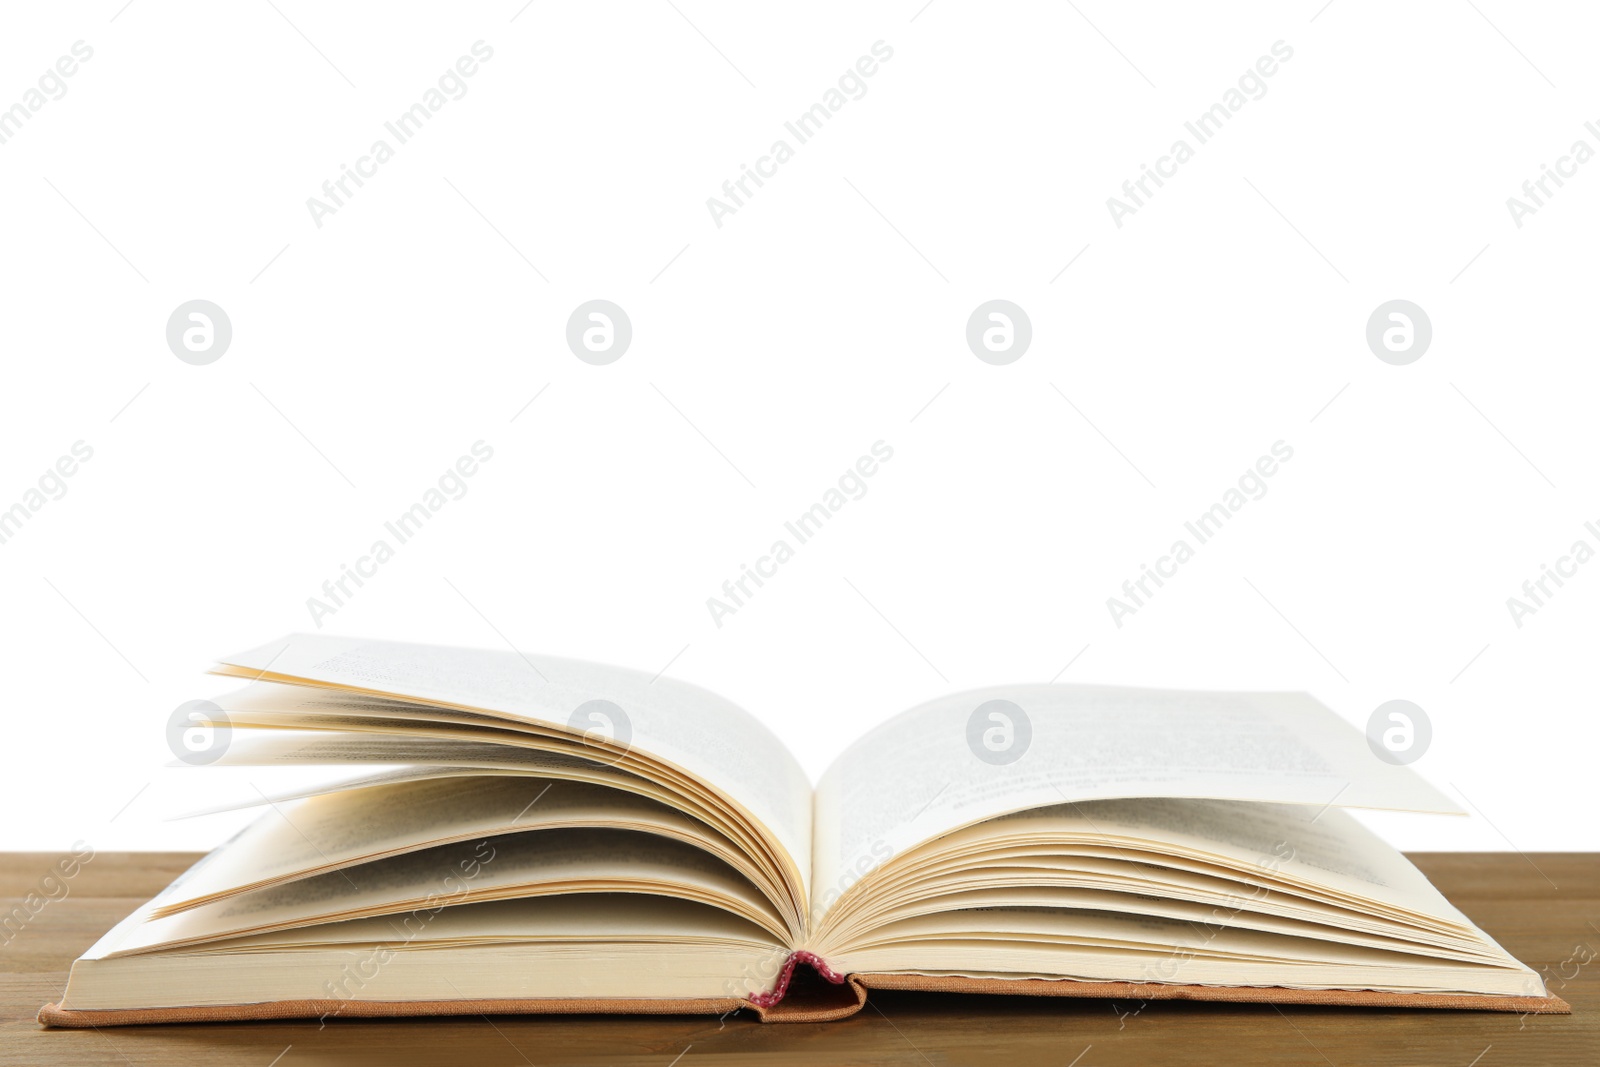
525	833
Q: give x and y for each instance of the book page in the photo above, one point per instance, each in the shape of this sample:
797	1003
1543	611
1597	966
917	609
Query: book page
1198	913
952	762
1237	857
1099	946
370	759
681	724
1263	842
341	829
598	918
434	755
546	862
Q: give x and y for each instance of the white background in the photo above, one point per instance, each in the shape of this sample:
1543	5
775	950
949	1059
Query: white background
827	314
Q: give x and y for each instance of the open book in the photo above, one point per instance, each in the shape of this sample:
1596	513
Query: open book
530	834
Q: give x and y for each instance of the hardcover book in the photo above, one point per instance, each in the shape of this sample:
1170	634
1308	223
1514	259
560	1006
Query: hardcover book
510	833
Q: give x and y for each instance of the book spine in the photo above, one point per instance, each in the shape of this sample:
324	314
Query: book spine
781	987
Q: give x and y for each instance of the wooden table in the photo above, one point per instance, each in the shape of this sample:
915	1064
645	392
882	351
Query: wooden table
1544	908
